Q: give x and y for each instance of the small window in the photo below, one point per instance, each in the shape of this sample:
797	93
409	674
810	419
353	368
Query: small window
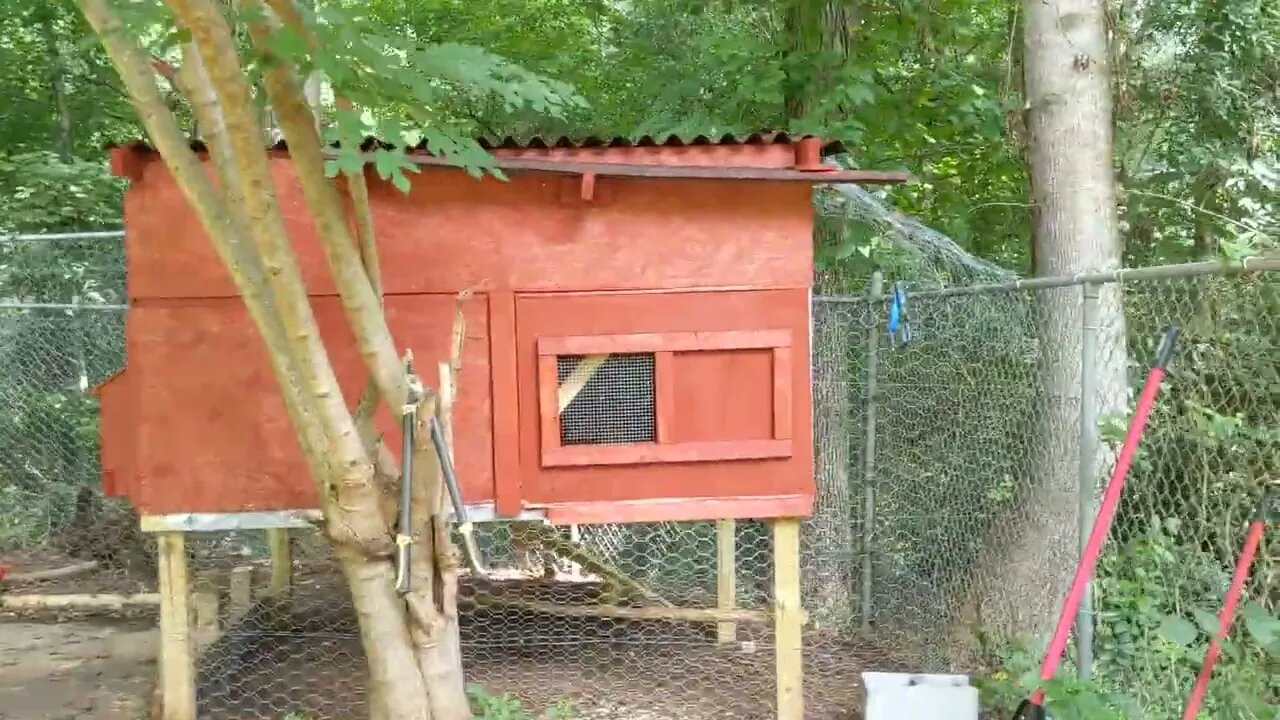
611	399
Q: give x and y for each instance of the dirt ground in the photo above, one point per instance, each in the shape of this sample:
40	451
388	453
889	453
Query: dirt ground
76	669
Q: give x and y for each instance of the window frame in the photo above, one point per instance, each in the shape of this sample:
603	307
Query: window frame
664	346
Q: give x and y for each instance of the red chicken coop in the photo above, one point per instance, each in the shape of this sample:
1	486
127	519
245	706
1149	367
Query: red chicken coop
637	349
637	334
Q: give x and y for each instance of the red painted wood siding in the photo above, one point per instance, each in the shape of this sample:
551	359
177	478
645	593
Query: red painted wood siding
116	435
205	429
212	431
453	233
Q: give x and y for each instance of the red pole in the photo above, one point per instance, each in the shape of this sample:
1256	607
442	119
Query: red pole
1238	579
1102	522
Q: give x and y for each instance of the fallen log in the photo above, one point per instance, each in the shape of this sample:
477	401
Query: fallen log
51	574
709	615
100	601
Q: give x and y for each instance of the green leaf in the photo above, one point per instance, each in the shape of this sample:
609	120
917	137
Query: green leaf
288	44
1261	624
1178	630
401	182
349	160
391	130
386	162
1208	621
351	126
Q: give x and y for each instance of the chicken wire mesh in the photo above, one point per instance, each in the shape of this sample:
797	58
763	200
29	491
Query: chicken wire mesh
935	551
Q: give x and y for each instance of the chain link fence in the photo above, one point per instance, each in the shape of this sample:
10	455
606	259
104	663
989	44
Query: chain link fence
956	461
947	522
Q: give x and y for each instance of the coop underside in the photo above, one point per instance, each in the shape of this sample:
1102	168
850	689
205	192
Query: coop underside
560	626
650	677
303	656
299	654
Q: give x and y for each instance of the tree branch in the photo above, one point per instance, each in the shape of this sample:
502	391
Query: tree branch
358	192
351	491
137	74
194	83
354	286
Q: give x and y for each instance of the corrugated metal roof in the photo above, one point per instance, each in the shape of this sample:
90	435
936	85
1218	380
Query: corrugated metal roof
584	165
564	141
508	142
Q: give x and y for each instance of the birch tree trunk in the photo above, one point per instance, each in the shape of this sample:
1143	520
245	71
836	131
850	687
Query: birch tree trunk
1025	574
411	641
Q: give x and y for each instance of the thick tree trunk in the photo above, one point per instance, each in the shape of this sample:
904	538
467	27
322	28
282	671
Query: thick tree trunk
1027	567
57	84
829	549
818	39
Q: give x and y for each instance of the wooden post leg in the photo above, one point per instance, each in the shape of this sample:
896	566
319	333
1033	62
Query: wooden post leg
281	562
726	578
204	600
177	662
789	619
575	537
239	593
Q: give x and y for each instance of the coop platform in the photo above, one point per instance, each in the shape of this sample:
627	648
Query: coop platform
673	510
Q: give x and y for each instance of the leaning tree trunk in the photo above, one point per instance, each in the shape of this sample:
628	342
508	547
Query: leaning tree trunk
411	641
1021	582
829	549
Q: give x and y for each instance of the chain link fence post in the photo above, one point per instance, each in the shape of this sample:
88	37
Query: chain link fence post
869	452
1088	465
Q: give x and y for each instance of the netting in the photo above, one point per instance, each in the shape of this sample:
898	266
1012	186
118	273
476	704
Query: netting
946	524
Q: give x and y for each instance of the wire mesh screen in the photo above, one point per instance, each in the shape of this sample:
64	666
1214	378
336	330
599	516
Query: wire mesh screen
946	523
613	400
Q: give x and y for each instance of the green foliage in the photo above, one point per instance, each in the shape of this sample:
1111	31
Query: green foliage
410	90
1158	598
1160	595
41	42
49	430
508	707
45	193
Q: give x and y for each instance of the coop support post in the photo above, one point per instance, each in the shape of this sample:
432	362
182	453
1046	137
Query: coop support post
788	619
281	548
726	577
1089	447
204	600
177	665
869	452
575	537
240	592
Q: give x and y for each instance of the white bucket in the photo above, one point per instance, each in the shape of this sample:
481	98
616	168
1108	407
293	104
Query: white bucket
919	696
